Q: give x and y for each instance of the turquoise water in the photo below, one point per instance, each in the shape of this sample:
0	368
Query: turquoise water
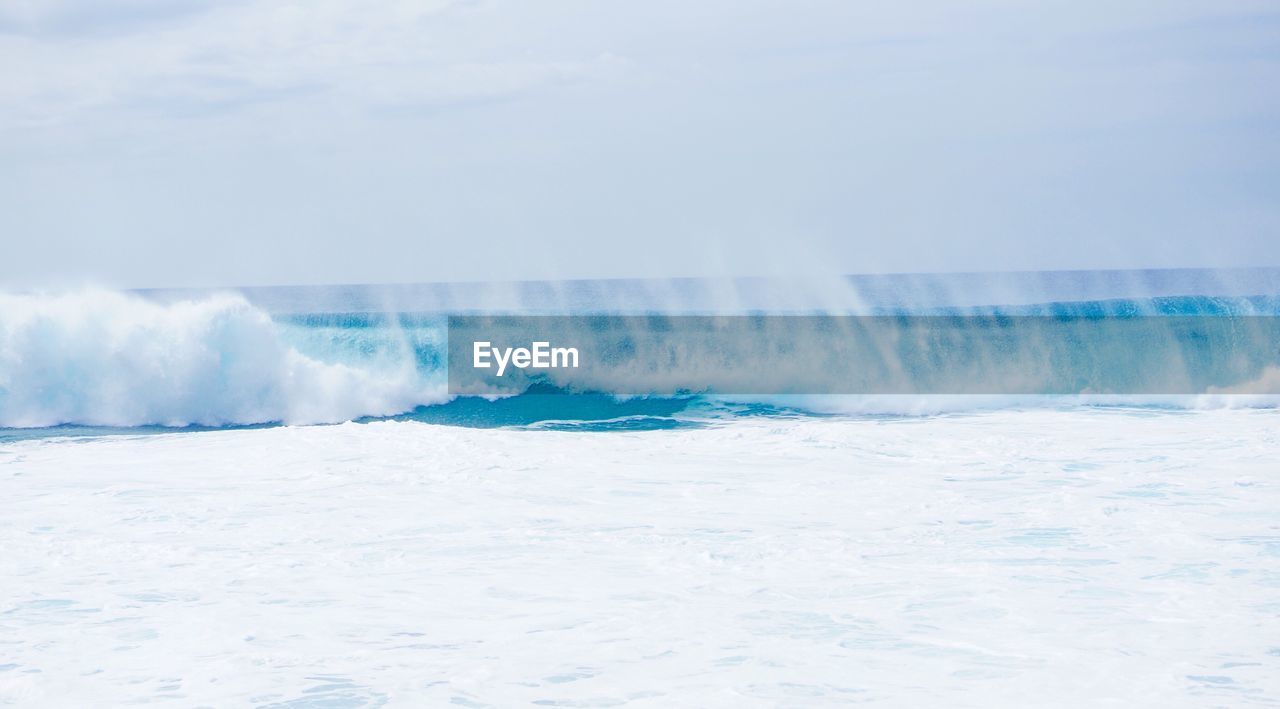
97	362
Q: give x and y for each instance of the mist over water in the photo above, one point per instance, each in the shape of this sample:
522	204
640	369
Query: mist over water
322	355
813	293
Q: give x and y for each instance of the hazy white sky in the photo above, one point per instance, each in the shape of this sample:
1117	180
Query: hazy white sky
161	142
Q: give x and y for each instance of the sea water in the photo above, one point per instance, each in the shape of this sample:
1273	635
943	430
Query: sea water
1054	558
187	522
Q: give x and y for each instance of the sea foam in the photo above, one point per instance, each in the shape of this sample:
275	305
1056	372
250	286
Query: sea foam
100	357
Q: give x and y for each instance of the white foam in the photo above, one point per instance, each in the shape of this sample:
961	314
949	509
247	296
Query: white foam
1071	558
105	358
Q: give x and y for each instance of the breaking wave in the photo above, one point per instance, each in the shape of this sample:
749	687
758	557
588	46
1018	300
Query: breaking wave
125	359
111	359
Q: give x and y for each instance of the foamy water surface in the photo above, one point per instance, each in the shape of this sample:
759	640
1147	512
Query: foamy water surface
1050	557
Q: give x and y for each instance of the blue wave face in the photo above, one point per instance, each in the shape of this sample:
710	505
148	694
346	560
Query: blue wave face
101	360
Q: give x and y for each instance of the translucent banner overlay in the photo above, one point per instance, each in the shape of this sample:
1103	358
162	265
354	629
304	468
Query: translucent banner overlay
817	354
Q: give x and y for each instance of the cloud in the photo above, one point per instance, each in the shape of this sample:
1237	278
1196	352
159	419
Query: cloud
70	18
153	59
633	137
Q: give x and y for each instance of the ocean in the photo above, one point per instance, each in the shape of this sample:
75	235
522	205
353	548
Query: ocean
270	497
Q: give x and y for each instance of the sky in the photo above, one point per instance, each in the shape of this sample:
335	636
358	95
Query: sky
152	143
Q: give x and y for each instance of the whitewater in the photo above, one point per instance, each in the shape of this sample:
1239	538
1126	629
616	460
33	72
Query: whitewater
269	498
1057	558
114	359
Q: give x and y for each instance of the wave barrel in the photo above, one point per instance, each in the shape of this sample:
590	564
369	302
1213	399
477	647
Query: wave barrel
876	354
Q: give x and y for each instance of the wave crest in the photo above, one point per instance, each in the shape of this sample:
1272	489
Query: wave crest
105	358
